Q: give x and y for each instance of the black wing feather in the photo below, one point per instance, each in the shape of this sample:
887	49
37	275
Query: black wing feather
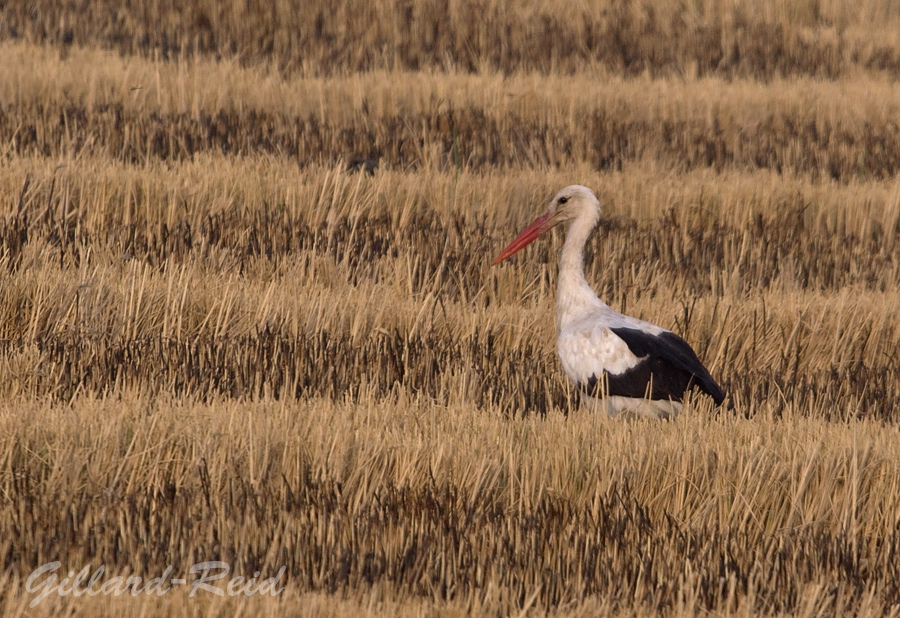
669	364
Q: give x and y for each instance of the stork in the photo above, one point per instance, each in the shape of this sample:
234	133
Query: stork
617	362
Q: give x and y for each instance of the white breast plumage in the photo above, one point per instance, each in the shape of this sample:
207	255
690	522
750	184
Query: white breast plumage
587	349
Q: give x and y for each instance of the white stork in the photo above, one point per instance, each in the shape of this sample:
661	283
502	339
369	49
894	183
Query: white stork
613	359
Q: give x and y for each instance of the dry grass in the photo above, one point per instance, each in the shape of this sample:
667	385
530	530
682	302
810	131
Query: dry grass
97	104
414	499
747	38
218	344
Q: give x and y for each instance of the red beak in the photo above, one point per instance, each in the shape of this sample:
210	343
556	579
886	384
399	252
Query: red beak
537	227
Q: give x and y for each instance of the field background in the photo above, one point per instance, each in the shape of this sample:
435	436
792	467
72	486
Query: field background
217	343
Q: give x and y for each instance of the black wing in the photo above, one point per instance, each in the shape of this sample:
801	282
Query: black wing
668	364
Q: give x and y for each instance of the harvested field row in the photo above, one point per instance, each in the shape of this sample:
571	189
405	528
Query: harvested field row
435	232
734	39
93	105
462	139
415	498
476	370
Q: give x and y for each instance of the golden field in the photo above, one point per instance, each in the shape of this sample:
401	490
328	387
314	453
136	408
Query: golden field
218	343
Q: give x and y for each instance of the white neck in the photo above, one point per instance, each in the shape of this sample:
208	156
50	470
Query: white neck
574	298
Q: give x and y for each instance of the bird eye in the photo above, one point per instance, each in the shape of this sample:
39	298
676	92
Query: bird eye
563	200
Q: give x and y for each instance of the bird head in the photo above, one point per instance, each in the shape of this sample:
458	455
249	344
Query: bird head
573	202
